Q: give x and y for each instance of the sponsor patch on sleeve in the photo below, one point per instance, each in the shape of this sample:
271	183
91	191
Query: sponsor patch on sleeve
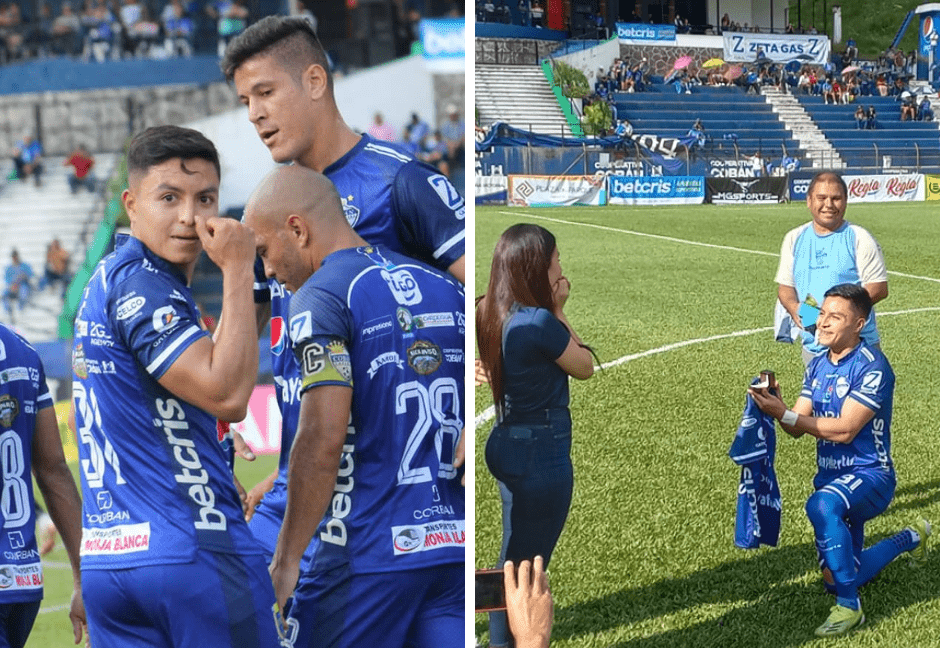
415	538
325	361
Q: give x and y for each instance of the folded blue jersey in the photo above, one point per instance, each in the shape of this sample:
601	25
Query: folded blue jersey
757	520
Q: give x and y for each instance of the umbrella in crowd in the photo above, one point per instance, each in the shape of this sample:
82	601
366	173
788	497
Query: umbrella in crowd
681	62
850	69
793	66
734	72
712	63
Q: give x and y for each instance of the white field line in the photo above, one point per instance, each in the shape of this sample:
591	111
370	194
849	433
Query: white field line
682	241
490	411
55	608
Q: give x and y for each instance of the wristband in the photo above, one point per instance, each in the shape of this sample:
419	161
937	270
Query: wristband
789	417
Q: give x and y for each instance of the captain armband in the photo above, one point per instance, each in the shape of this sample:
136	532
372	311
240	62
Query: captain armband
324	361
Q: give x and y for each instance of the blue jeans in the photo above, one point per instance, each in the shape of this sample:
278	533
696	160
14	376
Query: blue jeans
530	456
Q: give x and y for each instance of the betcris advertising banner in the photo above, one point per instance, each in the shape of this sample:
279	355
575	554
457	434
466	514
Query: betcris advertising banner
554	191
661	190
640	32
783	48
442	40
885	188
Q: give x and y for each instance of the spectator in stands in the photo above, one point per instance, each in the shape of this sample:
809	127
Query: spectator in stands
523	9
751	81
503	15
380	130
178	29
882	86
537	12
682	25
908	107
925	110
57	267
82	176
434	151
872	118
725	23
12	31
19	276
861	118
453	132
489	11
836	91
789	164
66	32
39	33
232	17
416	131
27	157
102	31
827	91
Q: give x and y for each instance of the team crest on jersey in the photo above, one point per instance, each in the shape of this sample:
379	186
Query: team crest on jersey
842	386
278	337
339	358
165	318
424	357
6	577
351	212
78	362
9	408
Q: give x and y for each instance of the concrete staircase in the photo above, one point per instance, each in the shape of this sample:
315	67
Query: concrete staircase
519	95
30	217
812	140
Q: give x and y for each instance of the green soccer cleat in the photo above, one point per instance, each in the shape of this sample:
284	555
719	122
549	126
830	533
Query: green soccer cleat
919	553
841	620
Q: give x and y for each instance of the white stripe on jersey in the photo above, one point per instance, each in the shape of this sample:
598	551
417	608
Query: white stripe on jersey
448	244
829	488
383	150
192	330
865	400
868	354
45	397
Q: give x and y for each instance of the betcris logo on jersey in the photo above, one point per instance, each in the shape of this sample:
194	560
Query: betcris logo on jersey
403	286
278	337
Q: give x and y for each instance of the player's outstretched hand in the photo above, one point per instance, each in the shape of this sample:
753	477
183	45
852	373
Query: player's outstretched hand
228	242
479	373
242	448
529	606
77	615
257	493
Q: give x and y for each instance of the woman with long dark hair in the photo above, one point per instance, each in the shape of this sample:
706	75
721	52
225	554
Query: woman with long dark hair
528	349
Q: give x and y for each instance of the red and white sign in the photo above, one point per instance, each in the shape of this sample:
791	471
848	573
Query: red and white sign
21	577
121	539
416	538
553	191
885	188
261	429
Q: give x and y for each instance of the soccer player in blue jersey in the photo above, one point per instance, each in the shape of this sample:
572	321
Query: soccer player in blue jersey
282	75
379	337
167	558
827	251
846	404
29	438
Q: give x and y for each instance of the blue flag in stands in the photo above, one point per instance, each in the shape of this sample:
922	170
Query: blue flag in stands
757	520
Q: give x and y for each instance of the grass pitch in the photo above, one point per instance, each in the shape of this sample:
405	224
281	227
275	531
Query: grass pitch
647	558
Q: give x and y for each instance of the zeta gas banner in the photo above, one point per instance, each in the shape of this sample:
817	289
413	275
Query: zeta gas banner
885	188
648	190
782	48
553	191
640	32
932	187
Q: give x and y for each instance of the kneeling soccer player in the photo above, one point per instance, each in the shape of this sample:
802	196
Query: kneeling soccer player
846	403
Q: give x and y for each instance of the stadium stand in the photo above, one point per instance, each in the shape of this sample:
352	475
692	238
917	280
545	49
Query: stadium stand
894	143
30	217
520	96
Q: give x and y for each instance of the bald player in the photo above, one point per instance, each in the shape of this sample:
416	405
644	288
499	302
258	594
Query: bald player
371	473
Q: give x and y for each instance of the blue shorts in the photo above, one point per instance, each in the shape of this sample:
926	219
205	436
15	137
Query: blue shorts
866	494
423	608
16	620
217	601
266	524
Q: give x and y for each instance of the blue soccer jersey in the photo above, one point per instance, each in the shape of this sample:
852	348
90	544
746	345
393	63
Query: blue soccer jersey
23	392
155	480
391	329
389	198
865	376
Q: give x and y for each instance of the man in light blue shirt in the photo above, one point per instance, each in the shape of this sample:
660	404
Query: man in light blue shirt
824	252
